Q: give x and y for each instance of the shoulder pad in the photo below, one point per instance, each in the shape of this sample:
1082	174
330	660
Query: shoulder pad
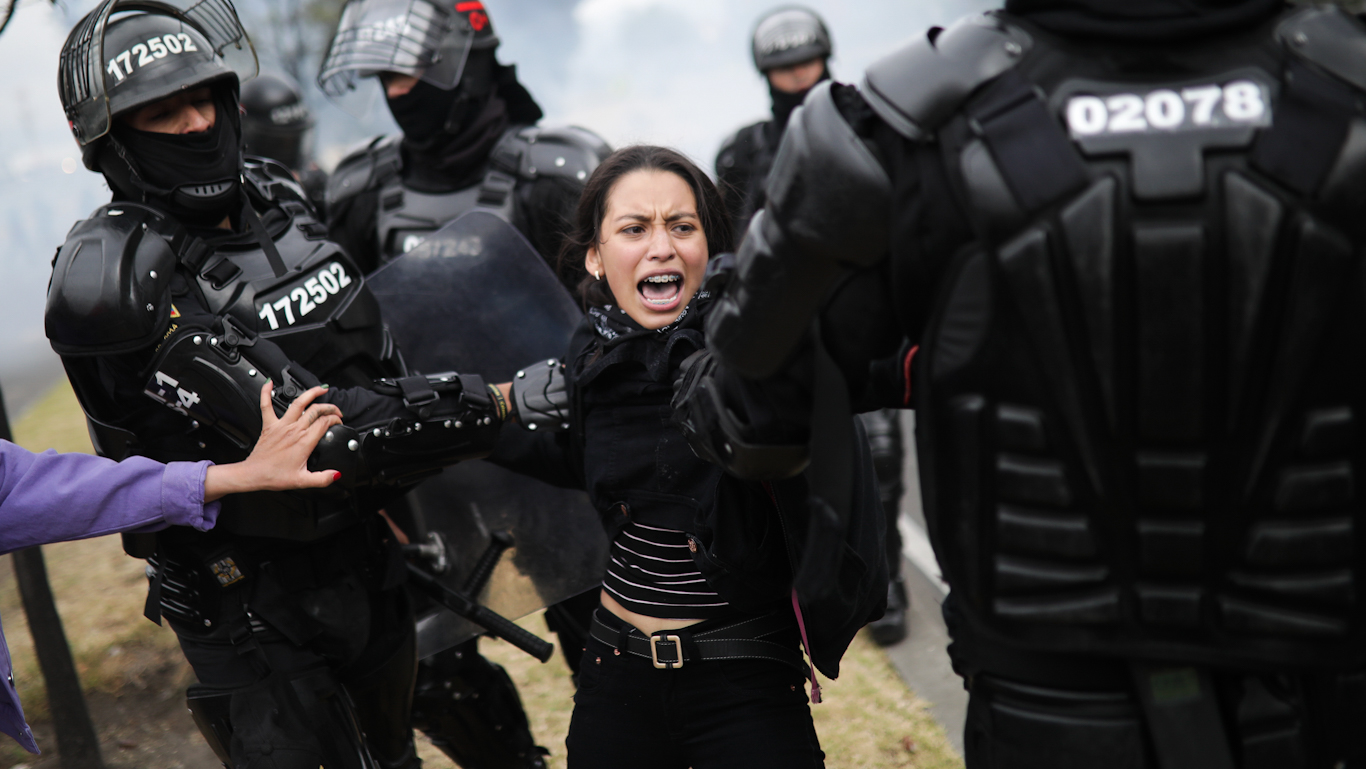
1329	38
111	280
568	152
368	166
271	181
827	189
919	86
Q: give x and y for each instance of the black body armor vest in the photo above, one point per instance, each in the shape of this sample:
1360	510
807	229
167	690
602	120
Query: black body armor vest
1141	391
406	216
199	328
742	167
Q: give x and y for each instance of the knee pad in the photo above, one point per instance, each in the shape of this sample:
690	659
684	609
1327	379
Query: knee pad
294	721
470	709
1018	726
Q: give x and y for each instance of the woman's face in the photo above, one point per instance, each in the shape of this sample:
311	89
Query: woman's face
653	252
185	113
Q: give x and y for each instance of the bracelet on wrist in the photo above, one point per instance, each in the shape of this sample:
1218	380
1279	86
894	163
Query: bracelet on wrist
499	402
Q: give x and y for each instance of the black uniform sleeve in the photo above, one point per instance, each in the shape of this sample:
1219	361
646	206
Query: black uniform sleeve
544	456
874	317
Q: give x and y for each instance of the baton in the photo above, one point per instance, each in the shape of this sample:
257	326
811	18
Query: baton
496	624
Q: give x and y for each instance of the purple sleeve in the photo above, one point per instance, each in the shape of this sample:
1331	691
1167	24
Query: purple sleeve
53	497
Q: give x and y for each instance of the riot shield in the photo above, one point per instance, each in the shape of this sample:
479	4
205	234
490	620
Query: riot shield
475	297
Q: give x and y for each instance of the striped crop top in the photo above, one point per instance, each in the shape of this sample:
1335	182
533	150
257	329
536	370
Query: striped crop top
651	572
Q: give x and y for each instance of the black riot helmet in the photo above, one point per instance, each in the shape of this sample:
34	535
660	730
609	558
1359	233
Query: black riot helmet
114	62
789	35
127	54
429	40
275	119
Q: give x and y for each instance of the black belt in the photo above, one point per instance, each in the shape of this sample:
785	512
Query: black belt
669	649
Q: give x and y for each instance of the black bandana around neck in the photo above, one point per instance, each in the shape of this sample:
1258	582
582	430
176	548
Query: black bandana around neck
614	326
616	331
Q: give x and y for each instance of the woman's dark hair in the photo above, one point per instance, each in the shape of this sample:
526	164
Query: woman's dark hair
586	229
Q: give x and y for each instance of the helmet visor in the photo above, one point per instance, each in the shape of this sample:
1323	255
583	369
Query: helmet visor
88	66
410	37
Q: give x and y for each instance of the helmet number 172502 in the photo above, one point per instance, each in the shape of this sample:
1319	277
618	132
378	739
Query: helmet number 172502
121	66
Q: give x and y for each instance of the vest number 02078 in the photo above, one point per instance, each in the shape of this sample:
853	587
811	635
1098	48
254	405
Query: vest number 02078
331	279
1239	103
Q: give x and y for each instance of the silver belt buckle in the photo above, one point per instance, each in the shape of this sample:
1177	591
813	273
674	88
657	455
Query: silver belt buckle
654	651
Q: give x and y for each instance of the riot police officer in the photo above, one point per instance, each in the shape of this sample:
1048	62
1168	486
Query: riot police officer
1127	239
170	306
277	124
469	136
469	142
792	48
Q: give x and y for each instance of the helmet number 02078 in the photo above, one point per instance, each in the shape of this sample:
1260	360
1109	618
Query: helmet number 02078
121	66
1240	103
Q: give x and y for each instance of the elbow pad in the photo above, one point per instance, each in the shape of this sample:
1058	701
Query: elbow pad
451	419
828	204
214	379
540	396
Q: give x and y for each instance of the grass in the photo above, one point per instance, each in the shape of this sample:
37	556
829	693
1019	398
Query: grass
869	717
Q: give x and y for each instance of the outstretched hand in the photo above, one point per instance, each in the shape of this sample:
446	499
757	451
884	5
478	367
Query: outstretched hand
279	461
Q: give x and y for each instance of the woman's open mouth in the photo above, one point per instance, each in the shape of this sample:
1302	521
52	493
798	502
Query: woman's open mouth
661	292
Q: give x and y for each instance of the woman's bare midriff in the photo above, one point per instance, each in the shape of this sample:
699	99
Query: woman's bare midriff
644	624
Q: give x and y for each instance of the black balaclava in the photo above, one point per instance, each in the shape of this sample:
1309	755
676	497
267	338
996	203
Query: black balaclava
168	169
1143	20
784	103
448	135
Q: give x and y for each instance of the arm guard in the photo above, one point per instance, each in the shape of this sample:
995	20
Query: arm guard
215	377
828	202
540	396
450	419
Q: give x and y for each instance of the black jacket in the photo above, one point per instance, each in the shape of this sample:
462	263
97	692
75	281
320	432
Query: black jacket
635	464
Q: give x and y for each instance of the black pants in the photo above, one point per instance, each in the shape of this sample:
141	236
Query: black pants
747	714
291	706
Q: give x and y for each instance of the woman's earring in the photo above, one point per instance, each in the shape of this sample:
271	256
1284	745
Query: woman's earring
597	275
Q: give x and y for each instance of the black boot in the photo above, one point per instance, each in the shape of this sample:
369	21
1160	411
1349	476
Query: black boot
892	627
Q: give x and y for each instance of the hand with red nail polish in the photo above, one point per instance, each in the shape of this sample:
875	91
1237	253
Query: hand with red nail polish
279	460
